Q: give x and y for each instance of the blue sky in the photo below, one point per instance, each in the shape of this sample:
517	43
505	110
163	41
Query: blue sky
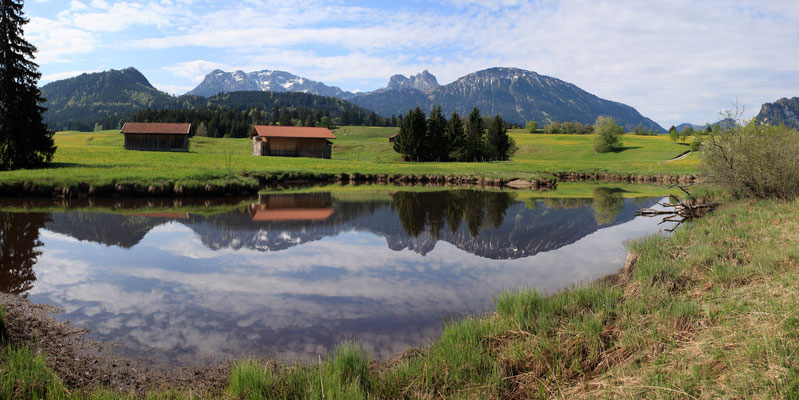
674	61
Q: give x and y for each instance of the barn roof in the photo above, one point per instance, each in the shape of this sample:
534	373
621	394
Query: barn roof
291	132
156	128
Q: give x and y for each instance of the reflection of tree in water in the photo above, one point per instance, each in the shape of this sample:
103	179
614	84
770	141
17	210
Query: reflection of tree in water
608	204
418	211
19	249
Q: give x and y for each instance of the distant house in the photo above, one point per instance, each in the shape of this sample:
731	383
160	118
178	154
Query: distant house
156	136
291	141
393	137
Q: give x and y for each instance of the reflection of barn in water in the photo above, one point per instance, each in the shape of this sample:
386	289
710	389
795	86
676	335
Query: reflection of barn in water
292	207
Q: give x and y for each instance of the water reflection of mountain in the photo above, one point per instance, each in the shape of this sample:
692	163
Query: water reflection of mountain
110	229
488	224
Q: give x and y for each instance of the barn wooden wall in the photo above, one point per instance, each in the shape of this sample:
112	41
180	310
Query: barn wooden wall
156	142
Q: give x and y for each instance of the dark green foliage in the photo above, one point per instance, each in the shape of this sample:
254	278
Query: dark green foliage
104	98
608	135
444	140
456	136
500	145
474	138
436	145
25	141
412	134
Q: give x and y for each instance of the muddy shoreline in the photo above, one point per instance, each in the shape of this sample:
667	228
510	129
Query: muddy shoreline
170	189
85	364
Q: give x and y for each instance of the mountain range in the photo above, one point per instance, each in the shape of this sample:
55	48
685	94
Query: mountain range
515	94
112	97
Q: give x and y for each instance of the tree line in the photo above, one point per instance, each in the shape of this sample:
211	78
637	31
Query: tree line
433	137
224	121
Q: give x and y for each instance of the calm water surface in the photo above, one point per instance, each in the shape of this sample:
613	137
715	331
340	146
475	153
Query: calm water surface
289	276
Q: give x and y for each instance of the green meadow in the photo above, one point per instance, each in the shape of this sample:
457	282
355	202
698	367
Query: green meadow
99	158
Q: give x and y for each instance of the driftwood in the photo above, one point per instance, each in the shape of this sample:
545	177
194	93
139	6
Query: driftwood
679	212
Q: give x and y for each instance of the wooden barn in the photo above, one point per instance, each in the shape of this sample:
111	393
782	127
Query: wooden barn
291	141
393	138
156	136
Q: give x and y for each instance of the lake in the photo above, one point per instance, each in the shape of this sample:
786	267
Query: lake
290	274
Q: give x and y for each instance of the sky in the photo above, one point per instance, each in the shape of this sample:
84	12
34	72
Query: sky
674	61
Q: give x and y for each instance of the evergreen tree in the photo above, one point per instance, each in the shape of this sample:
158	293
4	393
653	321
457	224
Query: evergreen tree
500	146
455	136
25	141
412	133
474	137
436	141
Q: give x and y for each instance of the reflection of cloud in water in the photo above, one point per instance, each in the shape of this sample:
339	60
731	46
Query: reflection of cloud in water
170	296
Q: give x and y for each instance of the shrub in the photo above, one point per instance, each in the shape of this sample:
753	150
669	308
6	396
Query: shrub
608	135
696	144
532	126
753	160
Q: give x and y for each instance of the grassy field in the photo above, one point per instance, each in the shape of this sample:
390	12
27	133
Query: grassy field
707	313
99	158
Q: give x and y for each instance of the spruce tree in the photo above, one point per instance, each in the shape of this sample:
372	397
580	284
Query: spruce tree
455	136
25	141
412	134
499	145
474	138
436	143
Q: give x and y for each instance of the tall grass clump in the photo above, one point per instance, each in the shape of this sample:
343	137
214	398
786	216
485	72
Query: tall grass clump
344	375
753	160
26	376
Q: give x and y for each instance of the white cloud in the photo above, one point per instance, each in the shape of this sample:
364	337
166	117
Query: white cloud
56	41
195	70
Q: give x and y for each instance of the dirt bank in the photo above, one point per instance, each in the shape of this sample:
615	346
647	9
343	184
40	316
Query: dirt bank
85	364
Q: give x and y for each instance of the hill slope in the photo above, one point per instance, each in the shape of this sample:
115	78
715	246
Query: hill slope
104	97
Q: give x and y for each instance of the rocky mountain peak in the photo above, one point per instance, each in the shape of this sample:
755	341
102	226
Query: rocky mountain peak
398	82
424	82
783	111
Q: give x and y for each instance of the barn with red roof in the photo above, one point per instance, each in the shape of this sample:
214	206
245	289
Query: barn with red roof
156	136
291	141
